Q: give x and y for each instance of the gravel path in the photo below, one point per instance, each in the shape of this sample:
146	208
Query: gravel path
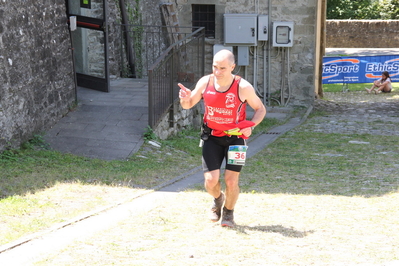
357	113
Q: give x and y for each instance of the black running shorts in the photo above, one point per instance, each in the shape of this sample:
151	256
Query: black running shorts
215	150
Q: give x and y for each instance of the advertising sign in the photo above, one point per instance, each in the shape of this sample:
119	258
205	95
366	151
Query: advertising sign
359	69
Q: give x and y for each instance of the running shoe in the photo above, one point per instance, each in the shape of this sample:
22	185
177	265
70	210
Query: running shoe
228	218
216	209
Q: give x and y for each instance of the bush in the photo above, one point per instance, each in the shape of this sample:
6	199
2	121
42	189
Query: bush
363	9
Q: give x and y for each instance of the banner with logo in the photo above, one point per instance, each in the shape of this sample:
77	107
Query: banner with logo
359	69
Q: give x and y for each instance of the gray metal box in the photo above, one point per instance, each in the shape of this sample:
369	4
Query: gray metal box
263	27
243	56
240	29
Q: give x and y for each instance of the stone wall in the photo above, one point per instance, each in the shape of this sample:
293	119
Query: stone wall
36	70
362	33
300	59
299	80
182	119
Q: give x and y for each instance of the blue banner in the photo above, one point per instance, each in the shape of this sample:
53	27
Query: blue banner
359	69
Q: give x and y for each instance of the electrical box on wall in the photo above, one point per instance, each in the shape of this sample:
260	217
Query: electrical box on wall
243	56
240	29
218	47
283	34
263	27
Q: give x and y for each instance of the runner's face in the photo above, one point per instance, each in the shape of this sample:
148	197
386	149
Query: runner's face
221	68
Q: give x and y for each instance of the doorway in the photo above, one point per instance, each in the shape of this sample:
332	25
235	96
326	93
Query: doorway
90	43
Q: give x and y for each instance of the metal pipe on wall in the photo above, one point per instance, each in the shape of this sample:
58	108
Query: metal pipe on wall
255	83
255	67
288	76
282	100
264	73
269	48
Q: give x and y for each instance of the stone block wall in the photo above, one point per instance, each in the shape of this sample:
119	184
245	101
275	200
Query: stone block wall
182	119
36	70
362	33
299	59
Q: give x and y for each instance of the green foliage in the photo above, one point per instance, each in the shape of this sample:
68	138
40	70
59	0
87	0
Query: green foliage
389	9
362	9
36	142
12	155
9	155
149	134
346	9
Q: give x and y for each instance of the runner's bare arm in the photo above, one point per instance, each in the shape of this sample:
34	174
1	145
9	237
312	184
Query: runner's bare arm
247	93
190	98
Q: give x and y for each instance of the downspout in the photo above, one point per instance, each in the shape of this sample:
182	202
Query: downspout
265	96
269	48
282	76
129	47
255	83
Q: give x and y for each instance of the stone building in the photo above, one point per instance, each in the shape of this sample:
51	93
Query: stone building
38	79
283	71
36	69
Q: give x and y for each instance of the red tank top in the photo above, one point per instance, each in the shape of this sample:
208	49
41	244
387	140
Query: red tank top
223	109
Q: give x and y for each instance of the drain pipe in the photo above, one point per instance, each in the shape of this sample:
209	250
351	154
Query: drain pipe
264	48
282	76
288	76
269	48
129	47
255	69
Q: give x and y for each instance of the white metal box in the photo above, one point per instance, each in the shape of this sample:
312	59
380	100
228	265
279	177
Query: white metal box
263	27
240	29
283	33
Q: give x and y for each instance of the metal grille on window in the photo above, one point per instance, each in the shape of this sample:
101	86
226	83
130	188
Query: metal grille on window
204	16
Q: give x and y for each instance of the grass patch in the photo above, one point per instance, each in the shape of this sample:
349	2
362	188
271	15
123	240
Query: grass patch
34	178
332	164
308	198
339	87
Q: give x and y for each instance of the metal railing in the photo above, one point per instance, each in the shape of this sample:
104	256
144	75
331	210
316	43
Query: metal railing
183	62
142	45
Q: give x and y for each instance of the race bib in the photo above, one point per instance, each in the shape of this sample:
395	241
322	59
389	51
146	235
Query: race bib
237	154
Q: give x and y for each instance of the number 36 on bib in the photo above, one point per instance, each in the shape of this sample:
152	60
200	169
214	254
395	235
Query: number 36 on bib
237	154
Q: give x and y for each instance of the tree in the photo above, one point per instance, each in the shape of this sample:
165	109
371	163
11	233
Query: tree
363	9
347	9
389	9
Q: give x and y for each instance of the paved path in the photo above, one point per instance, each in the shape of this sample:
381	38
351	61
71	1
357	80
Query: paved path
108	126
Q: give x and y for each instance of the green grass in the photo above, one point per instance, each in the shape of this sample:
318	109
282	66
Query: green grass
339	87
325	164
33	171
309	198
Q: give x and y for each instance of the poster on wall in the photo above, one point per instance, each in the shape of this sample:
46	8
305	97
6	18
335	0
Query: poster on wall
359	69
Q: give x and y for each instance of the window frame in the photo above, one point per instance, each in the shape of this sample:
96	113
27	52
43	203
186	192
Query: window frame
204	15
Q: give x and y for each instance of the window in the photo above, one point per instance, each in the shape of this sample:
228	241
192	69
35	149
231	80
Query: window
204	16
